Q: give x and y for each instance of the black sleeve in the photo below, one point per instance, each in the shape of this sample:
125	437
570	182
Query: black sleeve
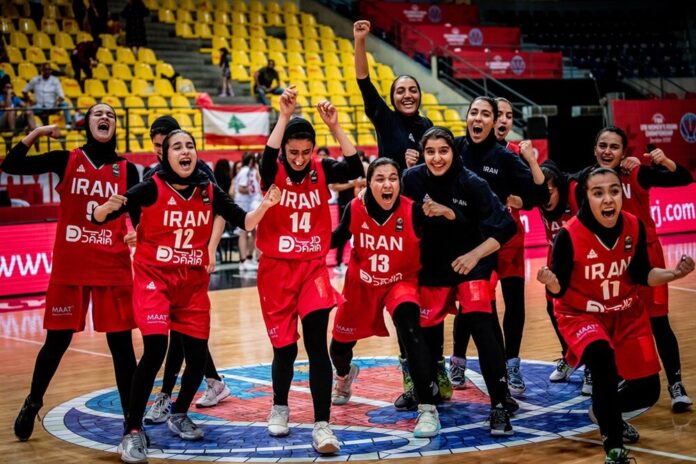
133	179
268	167
17	161
522	184
562	260
141	194
495	220
342	171
640	264
225	206
342	234
658	176
374	103
417	215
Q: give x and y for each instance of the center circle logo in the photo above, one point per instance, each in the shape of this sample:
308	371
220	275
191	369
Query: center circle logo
369	427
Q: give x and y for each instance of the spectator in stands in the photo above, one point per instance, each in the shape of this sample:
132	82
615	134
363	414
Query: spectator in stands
398	130
116	28
226	88
10	104
36	11
135	13
49	97
97	16
84	58
223	175
266	80
79	11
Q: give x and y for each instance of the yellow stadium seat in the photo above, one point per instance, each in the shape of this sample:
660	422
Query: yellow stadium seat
151	4
121	71
239	44
74	139
257	59
101	72
275	45
279	59
84	102
311	46
333	73
181	104
240	57
8	69
49	25
385	72
289	7
184	31
239	73
429	102
256	30
146	55
125	55
222	5
293	32
169	4
6	25
256	6
256	18
70	26
63	39
50	12
331	60
157	103
104	56
218	42
314	72
108	41
347	59
183	16
70	87
202	30
349	73
237	17
239	30
164	87
94	88
436	117
163	69
221	30
290	20
19	40
166	16
257	44
274	20
188	5
117	88
328	46
239	5
222	17
26	25
141	88
308	19
83	36
295	59
317	89
366	139
18	84
144	71
115	103
325	32
59	56
356	100
35	55
335	87
309	32
345	45
184	120
27	70
136	124
452	115
135	104
272	6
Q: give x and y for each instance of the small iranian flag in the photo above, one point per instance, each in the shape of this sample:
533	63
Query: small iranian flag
236	125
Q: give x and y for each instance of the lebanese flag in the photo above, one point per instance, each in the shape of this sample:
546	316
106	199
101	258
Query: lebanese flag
236	125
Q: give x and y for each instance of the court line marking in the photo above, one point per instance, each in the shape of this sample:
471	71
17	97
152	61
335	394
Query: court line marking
666	454
35	342
683	289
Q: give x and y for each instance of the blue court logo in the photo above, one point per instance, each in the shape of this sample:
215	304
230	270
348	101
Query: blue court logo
369	427
687	127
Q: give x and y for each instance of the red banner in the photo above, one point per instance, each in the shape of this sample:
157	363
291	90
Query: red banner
540	147
505	64
423	38
385	15
668	124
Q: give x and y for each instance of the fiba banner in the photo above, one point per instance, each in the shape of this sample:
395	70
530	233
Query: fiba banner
236	125
506	64
667	124
423	38
386	15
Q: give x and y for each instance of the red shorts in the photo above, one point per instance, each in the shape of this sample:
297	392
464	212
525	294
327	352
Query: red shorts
628	332
288	289
360	315
655	299
511	257
67	307
438	302
171	299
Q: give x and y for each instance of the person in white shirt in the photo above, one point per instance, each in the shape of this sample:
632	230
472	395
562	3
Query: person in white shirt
247	196
49	97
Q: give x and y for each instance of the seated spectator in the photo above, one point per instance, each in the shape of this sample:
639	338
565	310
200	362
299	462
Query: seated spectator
266	80
49	97
10	117
84	58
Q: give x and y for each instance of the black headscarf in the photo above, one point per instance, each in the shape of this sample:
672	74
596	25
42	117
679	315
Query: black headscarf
164	125
608	236
197	177
296	126
483	147
99	152
563	187
416	123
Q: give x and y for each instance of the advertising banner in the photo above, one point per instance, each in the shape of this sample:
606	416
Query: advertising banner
507	64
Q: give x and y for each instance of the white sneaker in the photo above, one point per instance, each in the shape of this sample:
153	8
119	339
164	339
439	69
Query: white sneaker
342	390
561	372
278	421
132	447
182	425
428	423
248	265
680	400
323	439
215	392
160	410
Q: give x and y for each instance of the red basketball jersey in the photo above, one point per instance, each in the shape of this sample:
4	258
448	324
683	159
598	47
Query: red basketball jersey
174	231
386	253
85	253
599	281
299	227
636	200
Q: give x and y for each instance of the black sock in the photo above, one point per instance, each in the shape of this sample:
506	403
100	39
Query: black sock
47	361
513	322
172	366
154	350
491	359
314	327
341	356
121	347
554	322
210	369
407	321
282	370
667	347
195	353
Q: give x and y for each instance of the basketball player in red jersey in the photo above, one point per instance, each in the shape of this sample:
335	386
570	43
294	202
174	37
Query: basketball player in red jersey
170	276
88	176
610	151
294	238
600	258
382	272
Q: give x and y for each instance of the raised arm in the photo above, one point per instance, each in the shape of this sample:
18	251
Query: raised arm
329	115
17	161
268	166
361	29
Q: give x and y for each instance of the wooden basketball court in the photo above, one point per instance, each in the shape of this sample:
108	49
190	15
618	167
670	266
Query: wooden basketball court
238	338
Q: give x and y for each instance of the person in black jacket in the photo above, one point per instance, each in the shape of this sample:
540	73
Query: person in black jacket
466	224
398	130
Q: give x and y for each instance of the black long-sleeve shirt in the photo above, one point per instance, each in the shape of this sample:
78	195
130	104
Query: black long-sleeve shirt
336	171
562	253
145	194
395	132
479	215
504	171
56	161
200	164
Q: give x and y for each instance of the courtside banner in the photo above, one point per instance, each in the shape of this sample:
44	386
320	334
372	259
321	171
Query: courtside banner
236	125
26	257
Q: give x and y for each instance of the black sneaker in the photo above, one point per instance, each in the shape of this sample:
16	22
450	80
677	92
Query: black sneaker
630	434
24	424
500	422
510	404
406	401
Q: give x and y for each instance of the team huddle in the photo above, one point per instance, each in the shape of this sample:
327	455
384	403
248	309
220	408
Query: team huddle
435	229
